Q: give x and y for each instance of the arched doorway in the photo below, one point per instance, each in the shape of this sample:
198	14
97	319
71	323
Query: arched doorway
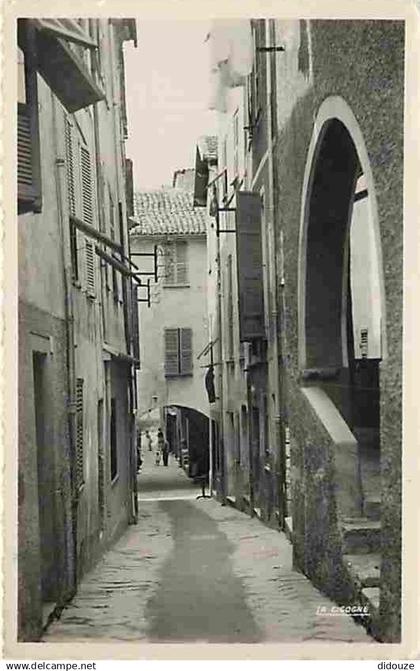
187	431
341	297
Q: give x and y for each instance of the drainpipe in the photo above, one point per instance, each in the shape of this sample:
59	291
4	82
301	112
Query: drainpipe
220	361
250	433
278	377
63	220
118	155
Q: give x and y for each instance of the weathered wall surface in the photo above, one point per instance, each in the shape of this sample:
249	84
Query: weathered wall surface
367	71
40	331
74	531
173	307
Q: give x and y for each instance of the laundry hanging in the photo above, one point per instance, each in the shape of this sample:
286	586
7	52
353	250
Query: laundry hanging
231	56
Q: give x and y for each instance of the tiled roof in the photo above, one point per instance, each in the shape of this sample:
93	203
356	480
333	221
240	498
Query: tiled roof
166	212
207	145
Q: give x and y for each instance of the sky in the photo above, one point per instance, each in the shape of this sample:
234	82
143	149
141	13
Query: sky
167	88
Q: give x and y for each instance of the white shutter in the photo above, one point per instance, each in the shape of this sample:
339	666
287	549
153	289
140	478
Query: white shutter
169	263
86	180
171	352
90	267
87	186
70	168
181	273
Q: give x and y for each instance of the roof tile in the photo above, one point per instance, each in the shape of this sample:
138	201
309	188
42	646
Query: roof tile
167	212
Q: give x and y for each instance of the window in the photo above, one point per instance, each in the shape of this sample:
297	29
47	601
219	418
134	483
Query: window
81	206
363	344
113	439
255	89
79	433
28	151
178	352
176	266
250	271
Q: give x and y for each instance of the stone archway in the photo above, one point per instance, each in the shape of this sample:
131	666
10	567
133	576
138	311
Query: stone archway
341	287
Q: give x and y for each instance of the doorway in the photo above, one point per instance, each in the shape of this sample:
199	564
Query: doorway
46	481
342	308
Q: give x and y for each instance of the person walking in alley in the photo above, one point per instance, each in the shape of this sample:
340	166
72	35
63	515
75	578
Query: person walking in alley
138	450
165	452
162	446
149	439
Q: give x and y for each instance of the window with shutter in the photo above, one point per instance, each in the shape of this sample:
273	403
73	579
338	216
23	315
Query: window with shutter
28	151
90	267
178	352
87	205
181	262
185	347
70	168
74	252
169	277
71	195
87	186
171	352
176	263
79	433
249	262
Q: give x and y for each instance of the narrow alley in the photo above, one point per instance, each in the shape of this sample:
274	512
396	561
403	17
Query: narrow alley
193	570
210	312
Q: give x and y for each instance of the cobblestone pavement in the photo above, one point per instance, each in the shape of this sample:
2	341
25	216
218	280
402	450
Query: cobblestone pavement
193	570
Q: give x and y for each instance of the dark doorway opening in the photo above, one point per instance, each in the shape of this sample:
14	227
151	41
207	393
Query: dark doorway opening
342	295
46	481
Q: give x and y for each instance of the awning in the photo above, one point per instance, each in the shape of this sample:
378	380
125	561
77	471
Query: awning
116	354
69	29
65	72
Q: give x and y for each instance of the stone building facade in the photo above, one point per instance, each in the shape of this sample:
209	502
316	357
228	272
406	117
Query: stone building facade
168	235
305	240
77	342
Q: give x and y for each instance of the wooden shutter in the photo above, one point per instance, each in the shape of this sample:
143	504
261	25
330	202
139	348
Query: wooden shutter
28	151
90	267
181	266
79	432
169	260
249	262
171	352
24	148
185	347
87	186
129	187
70	168
88	216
